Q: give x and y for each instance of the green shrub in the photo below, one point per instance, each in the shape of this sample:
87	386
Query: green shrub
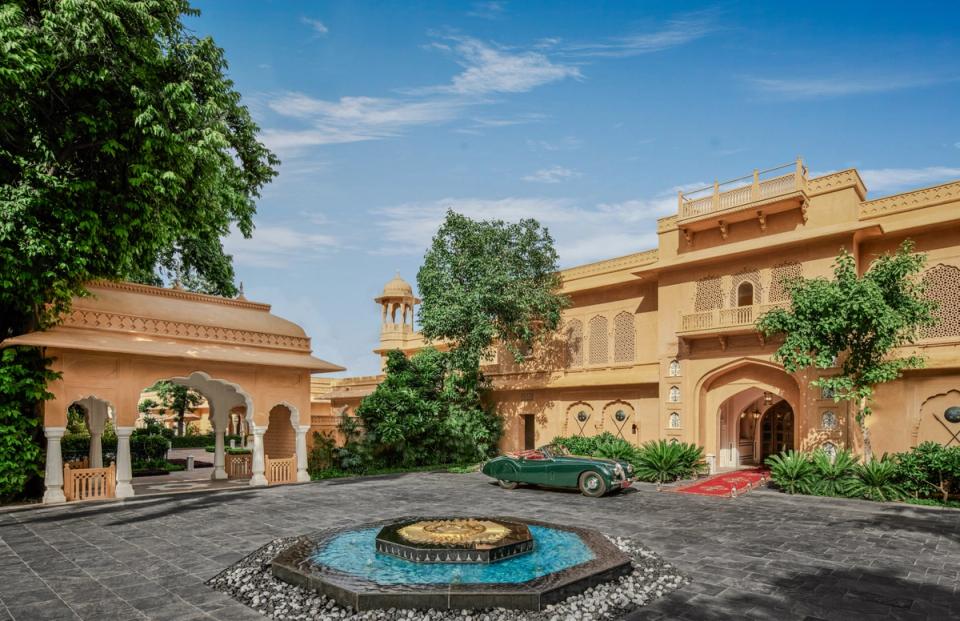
616	448
834	477
667	461
323	453
145	448
77	446
878	481
193	441
585	445
930	469
793	472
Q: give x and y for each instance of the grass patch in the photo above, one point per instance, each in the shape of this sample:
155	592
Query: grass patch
932	502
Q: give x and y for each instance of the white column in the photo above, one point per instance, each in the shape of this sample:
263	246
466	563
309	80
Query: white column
218	454
124	469
53	477
302	475
259	466
97	418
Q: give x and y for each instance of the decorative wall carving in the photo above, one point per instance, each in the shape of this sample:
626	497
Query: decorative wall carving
624	337
101	320
599	340
828	420
674	368
673	395
942	285
911	200
673	422
611	265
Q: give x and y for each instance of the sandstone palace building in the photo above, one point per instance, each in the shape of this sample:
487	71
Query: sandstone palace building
662	344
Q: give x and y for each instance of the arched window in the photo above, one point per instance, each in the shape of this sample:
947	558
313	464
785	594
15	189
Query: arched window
674	368
830	449
745	294
674	420
828	420
674	394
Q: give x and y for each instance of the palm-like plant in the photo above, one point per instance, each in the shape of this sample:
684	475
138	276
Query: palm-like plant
664	461
835	476
616	448
877	480
792	472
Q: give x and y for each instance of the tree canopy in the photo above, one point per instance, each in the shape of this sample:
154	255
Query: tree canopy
125	153
174	398
486	282
855	324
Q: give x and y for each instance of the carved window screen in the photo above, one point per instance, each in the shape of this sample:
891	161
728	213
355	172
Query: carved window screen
780	277
709	296
751	276
942	285
575	343
599	340
624	338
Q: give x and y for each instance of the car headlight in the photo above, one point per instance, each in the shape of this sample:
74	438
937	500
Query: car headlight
630	468
618	470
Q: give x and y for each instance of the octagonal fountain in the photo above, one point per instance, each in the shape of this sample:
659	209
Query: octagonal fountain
451	563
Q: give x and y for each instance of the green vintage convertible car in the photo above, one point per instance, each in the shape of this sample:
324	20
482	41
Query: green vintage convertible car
553	466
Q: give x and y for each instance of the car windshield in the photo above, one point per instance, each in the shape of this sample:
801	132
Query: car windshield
553	450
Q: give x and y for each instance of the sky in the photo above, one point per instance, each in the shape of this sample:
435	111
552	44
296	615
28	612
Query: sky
587	116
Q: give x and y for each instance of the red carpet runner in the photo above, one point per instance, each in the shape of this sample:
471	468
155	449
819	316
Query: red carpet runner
724	484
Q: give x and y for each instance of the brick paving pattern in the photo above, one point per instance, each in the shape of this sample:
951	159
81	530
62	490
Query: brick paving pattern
763	555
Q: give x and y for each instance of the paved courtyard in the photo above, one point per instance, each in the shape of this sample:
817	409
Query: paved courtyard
763	555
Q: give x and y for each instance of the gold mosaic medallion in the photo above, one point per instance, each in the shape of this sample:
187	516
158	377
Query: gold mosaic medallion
462	531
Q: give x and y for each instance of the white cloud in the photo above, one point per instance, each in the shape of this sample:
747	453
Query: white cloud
352	119
839	86
277	246
676	32
893	179
316	25
492	9
582	234
489	68
568	143
554	174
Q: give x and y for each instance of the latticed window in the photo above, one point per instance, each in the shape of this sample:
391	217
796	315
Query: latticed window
780	277
674	368
575	343
828	420
674	421
624	337
708	294
599	340
942	285
674	394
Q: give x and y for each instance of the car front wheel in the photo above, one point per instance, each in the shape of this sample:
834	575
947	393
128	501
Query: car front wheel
507	484
592	484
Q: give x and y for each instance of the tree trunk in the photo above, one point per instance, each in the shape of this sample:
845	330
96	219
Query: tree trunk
862	421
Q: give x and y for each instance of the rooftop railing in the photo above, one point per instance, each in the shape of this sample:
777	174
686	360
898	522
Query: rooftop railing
762	184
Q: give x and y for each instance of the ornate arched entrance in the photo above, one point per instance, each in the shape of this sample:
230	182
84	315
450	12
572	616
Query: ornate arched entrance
733	404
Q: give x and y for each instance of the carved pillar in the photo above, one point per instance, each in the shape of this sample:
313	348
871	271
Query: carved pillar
124	468
302	475
53	477
259	464
96	420
219	472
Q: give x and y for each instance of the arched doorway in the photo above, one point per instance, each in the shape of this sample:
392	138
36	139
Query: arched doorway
776	431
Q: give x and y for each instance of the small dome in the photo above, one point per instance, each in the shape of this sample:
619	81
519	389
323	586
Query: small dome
397	288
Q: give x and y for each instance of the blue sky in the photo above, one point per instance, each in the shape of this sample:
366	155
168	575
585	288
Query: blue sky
588	116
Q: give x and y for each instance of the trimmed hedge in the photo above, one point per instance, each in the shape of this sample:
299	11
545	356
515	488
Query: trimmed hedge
201	441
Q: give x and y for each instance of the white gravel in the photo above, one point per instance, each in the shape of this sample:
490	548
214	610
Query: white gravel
251	582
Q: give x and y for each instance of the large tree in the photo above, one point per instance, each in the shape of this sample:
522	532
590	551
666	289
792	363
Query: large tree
125	153
173	398
855	324
487	282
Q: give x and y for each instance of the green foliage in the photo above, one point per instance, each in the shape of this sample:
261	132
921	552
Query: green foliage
793	472
584	445
661	461
877	480
834	477
426	411
323	452
616	448
177	399
23	378
76	420
126	154
195	441
857	321
930	469
145	447
486	282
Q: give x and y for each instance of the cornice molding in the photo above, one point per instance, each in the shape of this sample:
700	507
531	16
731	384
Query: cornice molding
849	178
611	265
917	199
179	294
118	322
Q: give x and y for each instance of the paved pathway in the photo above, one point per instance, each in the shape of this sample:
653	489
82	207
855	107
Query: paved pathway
763	555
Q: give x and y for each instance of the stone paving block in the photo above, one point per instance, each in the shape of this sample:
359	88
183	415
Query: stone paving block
54	610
